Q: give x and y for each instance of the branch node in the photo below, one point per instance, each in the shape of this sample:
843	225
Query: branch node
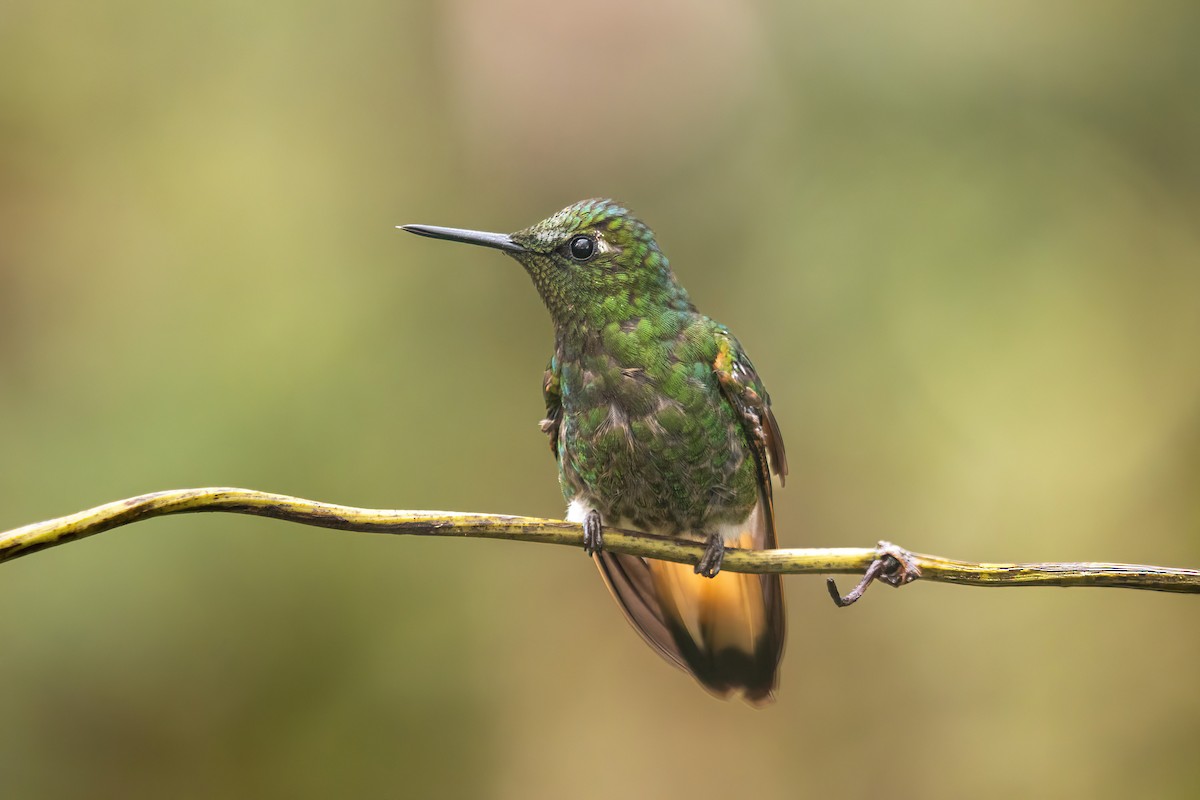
900	566
893	565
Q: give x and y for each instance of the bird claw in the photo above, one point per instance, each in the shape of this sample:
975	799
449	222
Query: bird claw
714	554
593	537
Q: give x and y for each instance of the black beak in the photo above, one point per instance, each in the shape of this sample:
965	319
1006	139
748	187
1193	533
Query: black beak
499	241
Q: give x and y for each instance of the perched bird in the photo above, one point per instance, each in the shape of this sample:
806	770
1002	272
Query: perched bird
660	424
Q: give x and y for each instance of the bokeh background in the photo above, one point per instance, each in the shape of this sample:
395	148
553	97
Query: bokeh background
960	240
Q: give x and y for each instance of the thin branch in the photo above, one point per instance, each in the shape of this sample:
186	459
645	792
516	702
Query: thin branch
885	562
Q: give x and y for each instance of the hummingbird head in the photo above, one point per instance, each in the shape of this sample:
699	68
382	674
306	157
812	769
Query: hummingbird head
593	264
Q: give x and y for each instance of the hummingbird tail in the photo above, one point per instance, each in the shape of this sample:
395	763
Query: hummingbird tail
727	631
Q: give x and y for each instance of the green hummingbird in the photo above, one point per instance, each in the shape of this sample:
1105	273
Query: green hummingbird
659	423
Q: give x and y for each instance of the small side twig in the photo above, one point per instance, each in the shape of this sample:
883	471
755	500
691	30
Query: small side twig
893	565
887	562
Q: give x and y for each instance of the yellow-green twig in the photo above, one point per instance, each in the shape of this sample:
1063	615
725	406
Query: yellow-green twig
903	567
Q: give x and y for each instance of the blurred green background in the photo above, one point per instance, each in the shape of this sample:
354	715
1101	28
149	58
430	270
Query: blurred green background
961	242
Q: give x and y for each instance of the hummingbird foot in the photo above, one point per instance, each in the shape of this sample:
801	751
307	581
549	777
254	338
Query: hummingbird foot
593	538
714	554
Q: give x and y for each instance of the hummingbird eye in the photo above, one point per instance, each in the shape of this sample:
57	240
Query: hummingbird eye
581	247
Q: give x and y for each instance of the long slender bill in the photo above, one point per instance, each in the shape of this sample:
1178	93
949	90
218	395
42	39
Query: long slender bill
499	241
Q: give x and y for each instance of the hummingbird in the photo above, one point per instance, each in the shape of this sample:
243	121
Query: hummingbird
660	424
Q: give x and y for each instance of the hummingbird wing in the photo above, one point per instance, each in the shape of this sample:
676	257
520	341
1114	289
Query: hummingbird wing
743	621
744	390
